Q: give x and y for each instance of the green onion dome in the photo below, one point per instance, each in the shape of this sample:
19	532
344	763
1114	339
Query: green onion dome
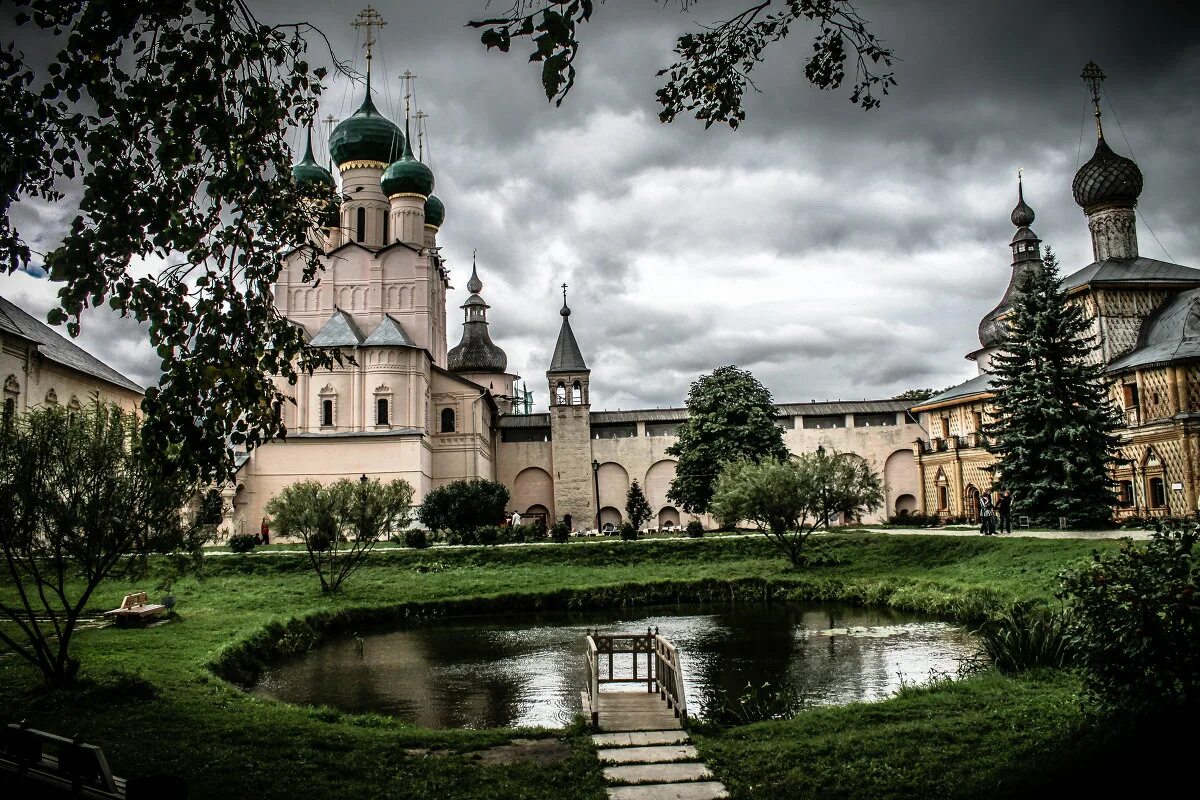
435	211
308	170
407	176
366	136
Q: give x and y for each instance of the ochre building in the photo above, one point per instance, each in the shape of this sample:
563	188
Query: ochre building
1145	318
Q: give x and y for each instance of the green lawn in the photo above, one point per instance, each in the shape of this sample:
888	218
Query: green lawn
151	699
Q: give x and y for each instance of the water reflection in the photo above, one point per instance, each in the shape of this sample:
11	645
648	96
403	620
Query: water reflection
527	669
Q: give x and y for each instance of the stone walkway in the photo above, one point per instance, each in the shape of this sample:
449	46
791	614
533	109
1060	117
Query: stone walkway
956	531
655	765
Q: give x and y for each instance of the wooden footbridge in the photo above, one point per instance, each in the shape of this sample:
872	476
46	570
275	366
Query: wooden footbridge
654	663
647	755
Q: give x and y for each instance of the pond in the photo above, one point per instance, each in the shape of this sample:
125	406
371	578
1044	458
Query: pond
528	669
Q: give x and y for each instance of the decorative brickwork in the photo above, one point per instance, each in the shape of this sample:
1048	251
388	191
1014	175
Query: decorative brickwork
1156	394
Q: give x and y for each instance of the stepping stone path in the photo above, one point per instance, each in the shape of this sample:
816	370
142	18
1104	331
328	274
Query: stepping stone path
655	765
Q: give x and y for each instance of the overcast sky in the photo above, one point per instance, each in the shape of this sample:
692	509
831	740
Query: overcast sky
835	253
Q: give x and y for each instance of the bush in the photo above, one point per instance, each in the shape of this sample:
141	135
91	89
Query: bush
243	542
628	532
914	520
695	529
460	507
1137	622
416	538
491	535
1025	639
560	532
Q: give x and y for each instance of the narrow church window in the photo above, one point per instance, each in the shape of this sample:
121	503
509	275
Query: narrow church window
385	227
381	412
361	224
978	415
10	408
447	420
560	394
943	498
1125	493
576	393
327	413
1158	493
1130	391
945	427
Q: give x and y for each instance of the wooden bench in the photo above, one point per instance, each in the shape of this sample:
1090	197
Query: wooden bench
44	763
136	610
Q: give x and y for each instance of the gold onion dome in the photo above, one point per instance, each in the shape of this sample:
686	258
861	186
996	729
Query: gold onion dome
366	135
407	175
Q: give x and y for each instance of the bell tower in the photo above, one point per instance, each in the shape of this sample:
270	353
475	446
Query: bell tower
571	427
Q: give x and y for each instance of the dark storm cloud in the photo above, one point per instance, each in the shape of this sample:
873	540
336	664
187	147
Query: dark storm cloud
835	252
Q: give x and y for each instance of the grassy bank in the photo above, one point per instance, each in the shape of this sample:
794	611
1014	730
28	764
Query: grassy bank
160	682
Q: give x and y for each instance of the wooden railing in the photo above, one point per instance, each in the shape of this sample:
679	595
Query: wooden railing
661	672
668	674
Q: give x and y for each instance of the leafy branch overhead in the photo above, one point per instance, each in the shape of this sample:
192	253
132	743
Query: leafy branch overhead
172	118
713	66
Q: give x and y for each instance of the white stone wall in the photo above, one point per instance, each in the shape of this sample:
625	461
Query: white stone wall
34	377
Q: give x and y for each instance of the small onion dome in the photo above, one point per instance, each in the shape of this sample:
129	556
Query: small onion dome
435	211
474	285
407	176
308	170
367	135
1022	215
1107	180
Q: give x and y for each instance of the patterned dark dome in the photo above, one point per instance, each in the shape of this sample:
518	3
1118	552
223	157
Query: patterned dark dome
366	136
1022	215
435	211
1107	179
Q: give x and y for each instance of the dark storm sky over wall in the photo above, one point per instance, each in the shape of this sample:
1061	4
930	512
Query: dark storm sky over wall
833	252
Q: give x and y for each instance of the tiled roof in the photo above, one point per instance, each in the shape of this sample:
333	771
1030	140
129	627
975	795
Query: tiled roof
57	348
1133	270
977	385
681	414
1172	333
389	331
338	331
567	357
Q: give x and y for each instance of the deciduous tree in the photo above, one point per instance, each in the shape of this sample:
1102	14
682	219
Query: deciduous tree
83	502
340	523
789	499
731	416
1053	424
169	122
713	66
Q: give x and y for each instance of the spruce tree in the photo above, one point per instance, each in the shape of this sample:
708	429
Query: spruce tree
637	508
1053	426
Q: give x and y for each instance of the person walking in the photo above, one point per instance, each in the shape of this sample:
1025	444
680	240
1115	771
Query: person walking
264	532
985	514
1004	507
